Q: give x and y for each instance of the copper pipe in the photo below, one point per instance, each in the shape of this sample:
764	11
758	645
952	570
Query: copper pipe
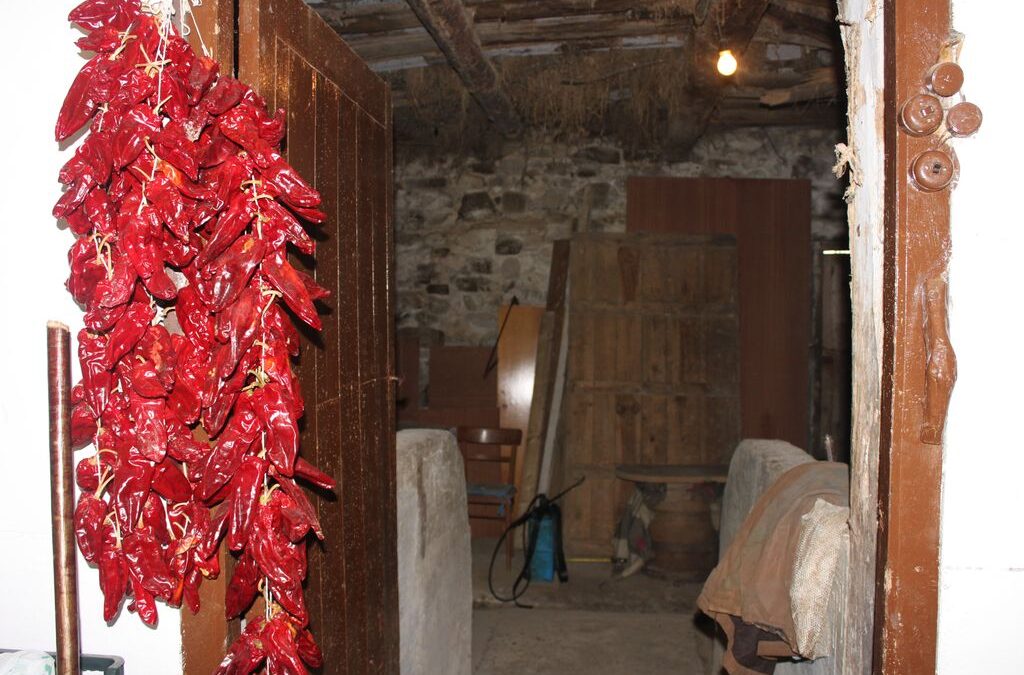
65	580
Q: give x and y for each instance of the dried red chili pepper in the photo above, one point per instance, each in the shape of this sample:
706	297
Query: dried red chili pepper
113	574
127	332
275	410
284	278
143	603
89	515
304	469
145	562
232	222
129	491
291	600
280	227
308	649
79	104
294	190
282	652
180	171
297	514
247	651
150	429
222	463
92	352
94	14
248	484
242	588
277	557
225	278
170	483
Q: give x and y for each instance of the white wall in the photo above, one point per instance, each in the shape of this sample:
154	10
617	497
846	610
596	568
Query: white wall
39	60
982	561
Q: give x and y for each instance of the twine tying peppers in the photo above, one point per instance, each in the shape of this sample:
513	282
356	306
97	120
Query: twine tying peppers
181	201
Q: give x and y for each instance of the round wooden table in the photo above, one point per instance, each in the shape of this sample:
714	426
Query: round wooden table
680	534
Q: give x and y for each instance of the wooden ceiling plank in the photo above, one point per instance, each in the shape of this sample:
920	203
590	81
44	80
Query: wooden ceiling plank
725	24
822	83
452	29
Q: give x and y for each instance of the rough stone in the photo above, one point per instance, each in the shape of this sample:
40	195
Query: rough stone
435	593
513	202
598	153
506	245
437	289
480	265
425	272
476	205
562	188
472	284
431	183
510	267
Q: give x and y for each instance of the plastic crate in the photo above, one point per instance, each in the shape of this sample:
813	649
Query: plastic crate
91	663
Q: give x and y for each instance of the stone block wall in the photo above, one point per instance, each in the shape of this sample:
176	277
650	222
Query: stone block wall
472	232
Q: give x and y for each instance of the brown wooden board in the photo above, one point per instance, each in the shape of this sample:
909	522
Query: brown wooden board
339	138
548	371
918	35
457	378
205	636
540	407
653	368
517	367
771	222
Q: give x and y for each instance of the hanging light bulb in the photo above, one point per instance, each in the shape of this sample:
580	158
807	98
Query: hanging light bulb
726	62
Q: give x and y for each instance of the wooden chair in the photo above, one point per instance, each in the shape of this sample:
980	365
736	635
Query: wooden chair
482	444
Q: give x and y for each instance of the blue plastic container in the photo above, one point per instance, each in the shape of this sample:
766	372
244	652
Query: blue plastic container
542	565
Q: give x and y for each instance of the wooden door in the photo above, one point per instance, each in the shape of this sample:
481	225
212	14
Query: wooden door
339	137
771	220
652	372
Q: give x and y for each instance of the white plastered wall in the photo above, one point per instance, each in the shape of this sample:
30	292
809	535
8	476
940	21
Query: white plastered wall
981	592
39	61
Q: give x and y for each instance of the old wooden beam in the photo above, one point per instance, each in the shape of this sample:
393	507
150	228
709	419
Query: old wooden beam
520	37
391	16
720	24
452	29
821	83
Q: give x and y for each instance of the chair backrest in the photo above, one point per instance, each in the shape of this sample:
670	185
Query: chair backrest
497	438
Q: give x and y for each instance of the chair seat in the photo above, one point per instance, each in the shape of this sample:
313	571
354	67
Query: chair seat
503	492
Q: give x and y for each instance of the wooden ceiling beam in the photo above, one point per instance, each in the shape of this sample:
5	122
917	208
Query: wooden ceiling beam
507	36
451	27
392	16
721	24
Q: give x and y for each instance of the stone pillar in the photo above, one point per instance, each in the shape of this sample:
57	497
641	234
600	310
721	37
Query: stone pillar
435	594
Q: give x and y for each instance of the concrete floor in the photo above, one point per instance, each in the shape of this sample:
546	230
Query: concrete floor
593	624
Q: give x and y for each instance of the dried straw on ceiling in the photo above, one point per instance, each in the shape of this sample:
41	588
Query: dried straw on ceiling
628	93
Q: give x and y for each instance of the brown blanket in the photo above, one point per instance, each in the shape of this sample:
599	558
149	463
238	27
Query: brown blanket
748	592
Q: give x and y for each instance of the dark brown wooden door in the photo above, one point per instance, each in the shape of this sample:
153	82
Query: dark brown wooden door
339	136
652	376
771	220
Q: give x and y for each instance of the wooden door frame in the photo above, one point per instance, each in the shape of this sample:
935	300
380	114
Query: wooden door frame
917	246
899	240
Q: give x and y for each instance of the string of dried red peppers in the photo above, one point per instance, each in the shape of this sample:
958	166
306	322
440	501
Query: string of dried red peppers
181	203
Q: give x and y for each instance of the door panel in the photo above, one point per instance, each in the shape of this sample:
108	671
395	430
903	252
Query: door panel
653	372
339	138
771	222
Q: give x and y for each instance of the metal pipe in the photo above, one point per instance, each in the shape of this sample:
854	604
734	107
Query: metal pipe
65	580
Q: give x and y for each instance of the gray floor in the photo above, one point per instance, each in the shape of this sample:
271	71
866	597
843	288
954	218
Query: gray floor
594	624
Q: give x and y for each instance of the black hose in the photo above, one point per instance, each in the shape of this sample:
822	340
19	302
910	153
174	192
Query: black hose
535	510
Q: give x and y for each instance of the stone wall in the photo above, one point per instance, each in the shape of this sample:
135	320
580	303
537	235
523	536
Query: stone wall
474	232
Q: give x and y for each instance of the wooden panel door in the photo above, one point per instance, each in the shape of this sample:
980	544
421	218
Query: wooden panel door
339	137
771	220
652	370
